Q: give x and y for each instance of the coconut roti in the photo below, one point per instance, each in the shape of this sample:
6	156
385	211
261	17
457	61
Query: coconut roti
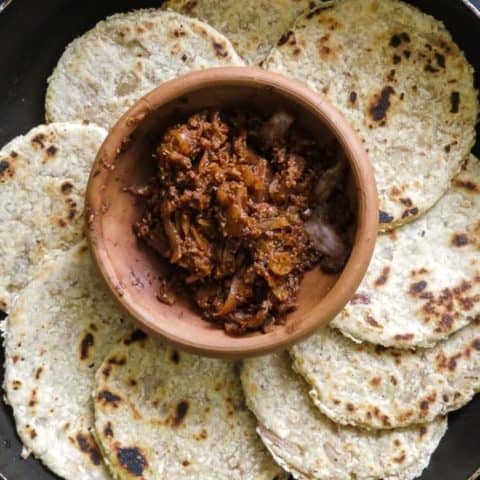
307	444
43	176
367	386
253	26
162	413
409	297
105	71
59	332
403	84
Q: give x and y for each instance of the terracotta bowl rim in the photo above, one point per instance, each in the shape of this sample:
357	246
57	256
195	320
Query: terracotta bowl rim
367	210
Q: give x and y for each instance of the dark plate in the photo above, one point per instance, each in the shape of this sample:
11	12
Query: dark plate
33	35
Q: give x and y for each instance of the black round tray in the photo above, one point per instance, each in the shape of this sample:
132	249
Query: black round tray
33	35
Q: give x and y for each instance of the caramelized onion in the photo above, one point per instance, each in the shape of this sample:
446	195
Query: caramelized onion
232	298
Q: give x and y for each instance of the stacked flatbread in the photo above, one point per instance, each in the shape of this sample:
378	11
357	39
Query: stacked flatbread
253	26
422	289
309	445
157	411
57	335
337	408
363	410
404	85
62	324
93	398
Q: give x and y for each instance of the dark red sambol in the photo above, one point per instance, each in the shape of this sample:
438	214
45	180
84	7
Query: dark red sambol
243	206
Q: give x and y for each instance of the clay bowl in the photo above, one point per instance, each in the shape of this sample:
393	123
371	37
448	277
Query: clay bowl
132	271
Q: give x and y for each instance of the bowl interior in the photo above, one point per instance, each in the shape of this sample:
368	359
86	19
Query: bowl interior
133	271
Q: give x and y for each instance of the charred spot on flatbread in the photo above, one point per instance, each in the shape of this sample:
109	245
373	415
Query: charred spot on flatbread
220	49
136	336
52	150
66	187
454	102
108	430
38	141
459	239
86	345
105	397
6	169
116	360
384	217
132	460
175	357
180	412
381	103
383	277
87	445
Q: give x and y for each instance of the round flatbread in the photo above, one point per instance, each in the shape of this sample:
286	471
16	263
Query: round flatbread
423	283
403	84
253	26
160	413
307	444
58	333
43	176
105	71
374	387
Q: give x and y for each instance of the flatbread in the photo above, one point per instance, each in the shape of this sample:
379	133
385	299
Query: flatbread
372	387
160	413
307	444
253	26
403	84
105	71
423	283
43	176
58	333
